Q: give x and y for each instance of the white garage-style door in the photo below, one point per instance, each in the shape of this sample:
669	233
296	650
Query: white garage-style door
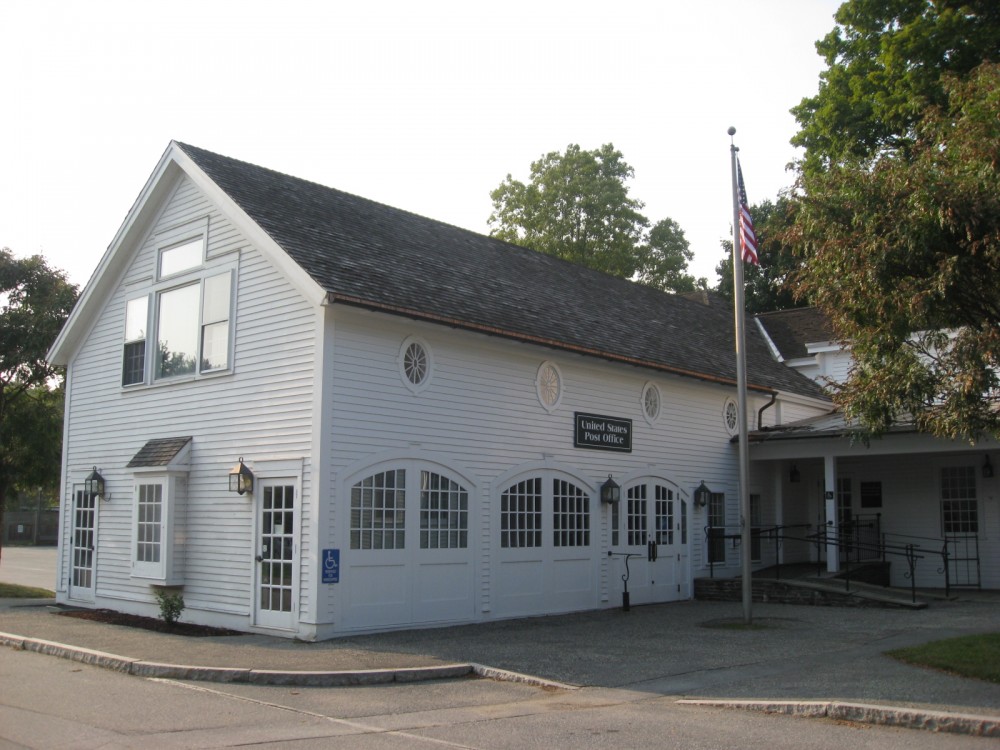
546	542
408	556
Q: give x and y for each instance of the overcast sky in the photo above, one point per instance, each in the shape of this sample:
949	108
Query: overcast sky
425	106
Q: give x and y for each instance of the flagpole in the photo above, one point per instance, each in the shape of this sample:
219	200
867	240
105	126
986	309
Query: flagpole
741	393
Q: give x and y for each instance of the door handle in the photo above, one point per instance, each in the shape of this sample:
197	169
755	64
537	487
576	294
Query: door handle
260	558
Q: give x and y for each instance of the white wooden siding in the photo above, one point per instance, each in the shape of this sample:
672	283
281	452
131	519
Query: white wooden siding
480	411
262	409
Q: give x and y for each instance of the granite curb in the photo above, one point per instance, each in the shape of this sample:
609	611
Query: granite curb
300	678
866	713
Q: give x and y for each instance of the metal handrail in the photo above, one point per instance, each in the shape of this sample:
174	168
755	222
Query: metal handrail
909	552
948	543
825	537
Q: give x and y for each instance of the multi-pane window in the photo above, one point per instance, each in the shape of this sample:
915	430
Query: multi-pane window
521	514
215	323
156	528
717	527
663	516
149	523
571	515
134	358
444	513
636	523
189	330
684	522
378	511
193	320
959	506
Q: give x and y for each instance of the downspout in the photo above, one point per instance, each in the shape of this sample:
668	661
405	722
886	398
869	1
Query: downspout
765	407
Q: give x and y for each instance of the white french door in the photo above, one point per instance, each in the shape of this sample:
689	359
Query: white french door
653	520
83	541
276	600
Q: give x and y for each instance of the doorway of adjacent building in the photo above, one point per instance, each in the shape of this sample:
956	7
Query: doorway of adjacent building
277	555
81	574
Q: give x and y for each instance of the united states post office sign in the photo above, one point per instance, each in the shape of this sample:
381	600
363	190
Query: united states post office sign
602	433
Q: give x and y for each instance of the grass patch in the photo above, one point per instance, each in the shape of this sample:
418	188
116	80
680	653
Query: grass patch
13	591
976	656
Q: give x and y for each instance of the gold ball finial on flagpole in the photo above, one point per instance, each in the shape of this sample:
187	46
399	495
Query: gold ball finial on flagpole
732	130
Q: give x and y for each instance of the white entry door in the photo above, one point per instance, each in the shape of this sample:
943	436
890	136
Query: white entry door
653	519
277	556
83	538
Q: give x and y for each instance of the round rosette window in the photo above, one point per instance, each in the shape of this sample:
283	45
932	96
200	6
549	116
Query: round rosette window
415	364
548	386
730	414
651	402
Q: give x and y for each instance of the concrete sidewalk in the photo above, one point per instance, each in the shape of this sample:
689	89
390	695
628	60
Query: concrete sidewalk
796	659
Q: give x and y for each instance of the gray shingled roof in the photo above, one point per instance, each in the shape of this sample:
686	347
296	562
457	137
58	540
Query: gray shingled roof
791	330
158	452
367	254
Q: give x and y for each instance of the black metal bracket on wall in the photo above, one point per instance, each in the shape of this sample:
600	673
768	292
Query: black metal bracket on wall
625	576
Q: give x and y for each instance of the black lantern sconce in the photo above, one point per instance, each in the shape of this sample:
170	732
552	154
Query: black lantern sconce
987	468
610	491
701	495
241	478
794	476
94	484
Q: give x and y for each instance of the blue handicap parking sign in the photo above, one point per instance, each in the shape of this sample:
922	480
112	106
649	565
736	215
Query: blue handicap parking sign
330	566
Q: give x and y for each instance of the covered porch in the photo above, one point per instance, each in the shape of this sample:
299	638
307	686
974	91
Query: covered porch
821	496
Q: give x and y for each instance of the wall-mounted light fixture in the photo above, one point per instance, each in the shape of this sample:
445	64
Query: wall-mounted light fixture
610	491
702	494
94	484
794	476
241	478
987	468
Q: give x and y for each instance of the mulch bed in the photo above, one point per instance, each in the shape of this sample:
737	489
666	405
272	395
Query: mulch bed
111	617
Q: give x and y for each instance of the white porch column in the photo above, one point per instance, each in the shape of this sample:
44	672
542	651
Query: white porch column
830	498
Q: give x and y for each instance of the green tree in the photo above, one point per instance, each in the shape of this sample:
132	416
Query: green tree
577	207
884	62
903	254
664	257
35	301
770	285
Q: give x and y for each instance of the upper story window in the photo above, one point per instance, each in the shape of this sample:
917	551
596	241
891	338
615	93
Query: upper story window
190	320
548	386
651	403
416	364
174	260
730	415
134	360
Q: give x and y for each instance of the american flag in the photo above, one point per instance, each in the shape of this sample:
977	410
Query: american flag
748	240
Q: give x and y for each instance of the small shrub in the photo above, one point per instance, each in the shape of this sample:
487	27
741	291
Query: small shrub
171	606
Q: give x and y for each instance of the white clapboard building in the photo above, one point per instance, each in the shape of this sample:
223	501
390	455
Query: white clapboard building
425	418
